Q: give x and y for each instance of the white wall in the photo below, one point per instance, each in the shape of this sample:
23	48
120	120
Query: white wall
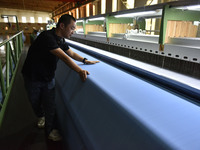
25	13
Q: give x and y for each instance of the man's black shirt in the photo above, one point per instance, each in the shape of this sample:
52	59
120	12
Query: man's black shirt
40	64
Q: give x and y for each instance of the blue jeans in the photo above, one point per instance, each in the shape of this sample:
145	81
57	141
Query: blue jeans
42	98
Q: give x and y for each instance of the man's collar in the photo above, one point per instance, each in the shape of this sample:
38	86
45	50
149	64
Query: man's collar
54	33
58	38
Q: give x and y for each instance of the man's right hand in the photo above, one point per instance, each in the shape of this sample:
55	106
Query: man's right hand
83	74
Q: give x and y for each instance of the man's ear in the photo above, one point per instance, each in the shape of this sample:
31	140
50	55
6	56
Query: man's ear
62	26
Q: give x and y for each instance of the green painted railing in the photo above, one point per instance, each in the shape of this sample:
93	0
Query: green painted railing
13	48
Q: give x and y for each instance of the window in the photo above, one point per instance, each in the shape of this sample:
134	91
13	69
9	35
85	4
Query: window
32	19
14	19
39	19
130	4
5	19
114	5
150	26
77	13
87	10
93	10
23	19
103	6
47	19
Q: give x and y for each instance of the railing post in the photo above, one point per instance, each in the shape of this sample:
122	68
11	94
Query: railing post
3	89
17	48
22	42
7	65
10	60
19	44
11	51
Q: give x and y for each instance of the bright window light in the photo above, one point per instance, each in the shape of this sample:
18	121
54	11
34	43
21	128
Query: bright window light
5	19
23	19
77	13
39	19
70	13
153	25
87	10
32	19
114	5
148	24
47	19
14	19
93	10
130	4
99	18
103	6
136	14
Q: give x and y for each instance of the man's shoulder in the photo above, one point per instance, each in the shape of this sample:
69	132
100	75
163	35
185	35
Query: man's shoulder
47	35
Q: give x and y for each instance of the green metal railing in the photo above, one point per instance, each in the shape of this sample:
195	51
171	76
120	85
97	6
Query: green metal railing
13	48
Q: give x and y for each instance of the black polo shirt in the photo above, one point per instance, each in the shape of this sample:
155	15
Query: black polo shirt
40	64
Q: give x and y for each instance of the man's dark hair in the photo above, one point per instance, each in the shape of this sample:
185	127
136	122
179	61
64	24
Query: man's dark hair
66	19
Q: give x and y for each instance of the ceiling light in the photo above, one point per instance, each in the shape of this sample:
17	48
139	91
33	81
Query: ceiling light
193	7
136	14
79	20
99	18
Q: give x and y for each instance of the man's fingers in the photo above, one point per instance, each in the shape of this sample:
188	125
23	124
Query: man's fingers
92	62
83	75
88	73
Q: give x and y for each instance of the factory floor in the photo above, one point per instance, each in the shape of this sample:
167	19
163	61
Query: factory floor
30	138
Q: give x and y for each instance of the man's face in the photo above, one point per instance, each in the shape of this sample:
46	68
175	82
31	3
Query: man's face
69	29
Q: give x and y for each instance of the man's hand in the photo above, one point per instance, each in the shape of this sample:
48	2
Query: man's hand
83	74
90	62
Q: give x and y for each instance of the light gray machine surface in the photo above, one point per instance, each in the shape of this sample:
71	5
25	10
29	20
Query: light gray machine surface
116	110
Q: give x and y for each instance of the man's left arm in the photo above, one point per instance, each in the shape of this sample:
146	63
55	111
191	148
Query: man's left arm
77	57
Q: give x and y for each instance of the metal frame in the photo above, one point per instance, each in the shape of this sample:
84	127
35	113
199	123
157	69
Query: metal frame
183	52
11	65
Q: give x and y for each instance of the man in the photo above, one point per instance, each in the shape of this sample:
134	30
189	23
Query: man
39	70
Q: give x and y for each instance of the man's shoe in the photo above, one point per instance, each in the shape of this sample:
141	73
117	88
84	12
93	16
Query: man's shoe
54	135
41	122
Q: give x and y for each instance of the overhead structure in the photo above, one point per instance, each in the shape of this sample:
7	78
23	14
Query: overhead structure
36	5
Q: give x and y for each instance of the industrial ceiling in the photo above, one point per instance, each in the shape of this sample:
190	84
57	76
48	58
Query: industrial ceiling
36	5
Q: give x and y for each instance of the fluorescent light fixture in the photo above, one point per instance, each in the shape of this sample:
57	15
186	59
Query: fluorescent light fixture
99	18
192	7
79	20
135	14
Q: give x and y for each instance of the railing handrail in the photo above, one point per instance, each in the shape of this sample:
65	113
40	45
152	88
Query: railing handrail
7	40
12	61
